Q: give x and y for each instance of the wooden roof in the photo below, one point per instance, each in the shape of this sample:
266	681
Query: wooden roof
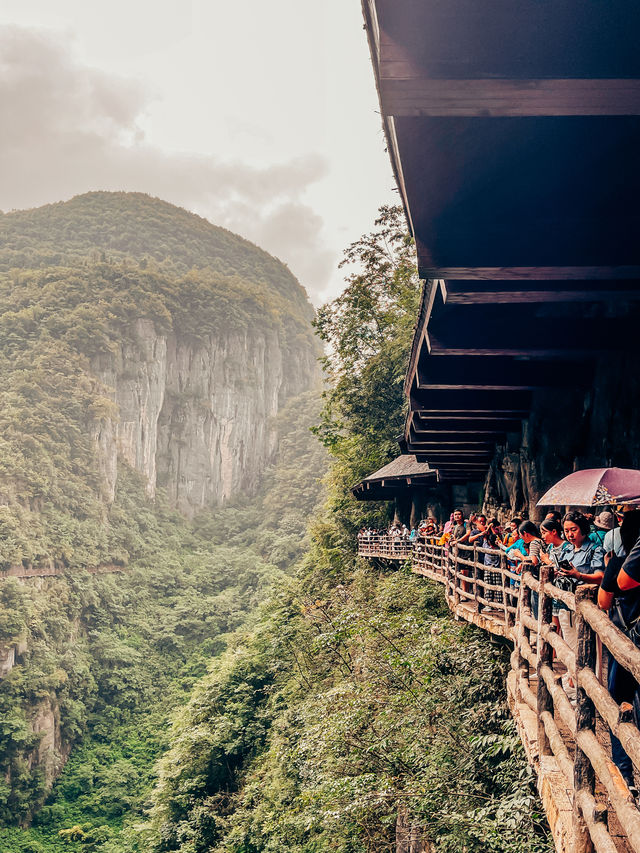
393	479
513	130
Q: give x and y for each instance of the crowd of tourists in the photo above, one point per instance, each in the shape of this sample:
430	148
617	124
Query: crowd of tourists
601	549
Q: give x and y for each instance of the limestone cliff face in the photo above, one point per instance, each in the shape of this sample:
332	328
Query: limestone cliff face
568	430
197	417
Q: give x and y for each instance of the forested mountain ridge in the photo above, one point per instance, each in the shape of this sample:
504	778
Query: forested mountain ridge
147	360
118	225
175	367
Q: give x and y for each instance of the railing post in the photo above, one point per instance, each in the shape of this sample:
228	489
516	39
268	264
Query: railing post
475	575
524	600
508	620
456	579
584	777
544	699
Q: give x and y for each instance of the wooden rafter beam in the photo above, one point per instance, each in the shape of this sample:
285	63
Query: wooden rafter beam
497	296
443	373
476	400
463	425
552	273
420	96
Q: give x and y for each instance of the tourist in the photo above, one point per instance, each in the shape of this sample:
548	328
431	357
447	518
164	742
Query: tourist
628	517
601	525
553	515
582	561
432	527
551	534
511	535
475	536
619	594
585	556
458	529
531	559
491	540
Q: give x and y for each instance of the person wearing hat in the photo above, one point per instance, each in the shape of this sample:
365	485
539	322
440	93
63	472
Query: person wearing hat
600	527
613	541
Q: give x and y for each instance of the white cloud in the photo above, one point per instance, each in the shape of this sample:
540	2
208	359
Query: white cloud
72	128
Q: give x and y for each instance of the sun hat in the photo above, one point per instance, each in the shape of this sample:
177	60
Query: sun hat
605	521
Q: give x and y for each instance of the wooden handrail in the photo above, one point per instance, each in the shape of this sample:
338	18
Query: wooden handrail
509	608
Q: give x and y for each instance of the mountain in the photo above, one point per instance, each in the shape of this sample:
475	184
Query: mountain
122	225
133	332
153	367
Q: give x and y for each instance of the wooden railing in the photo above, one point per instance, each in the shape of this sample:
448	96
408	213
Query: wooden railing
385	546
566	739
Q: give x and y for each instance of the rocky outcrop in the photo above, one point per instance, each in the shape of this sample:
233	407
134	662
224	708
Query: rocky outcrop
52	751
568	429
196	417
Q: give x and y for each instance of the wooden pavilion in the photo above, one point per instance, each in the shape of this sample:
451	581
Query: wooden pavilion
407	482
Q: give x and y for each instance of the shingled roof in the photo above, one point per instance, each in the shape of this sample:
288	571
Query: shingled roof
395	478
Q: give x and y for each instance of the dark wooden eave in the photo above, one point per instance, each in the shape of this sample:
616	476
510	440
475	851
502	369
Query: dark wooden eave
513	130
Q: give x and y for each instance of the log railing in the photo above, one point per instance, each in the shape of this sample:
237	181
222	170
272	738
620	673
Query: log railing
385	546
566	738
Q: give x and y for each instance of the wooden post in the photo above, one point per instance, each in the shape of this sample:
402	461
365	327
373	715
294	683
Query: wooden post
508	621
544	699
584	777
524	600
456	581
511	619
475	575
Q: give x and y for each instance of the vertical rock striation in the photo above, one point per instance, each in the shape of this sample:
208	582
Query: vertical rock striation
197	417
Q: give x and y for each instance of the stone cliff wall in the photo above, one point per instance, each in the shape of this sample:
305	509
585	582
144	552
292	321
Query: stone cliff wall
197	417
569	429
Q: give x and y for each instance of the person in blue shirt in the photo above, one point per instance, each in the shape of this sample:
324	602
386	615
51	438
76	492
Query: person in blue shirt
587	566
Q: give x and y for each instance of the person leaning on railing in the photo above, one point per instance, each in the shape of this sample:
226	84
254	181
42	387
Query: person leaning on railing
513	546
619	594
582	561
475	536
528	556
491	539
551	534
457	530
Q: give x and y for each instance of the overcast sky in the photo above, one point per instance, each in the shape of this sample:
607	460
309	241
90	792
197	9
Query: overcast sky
259	114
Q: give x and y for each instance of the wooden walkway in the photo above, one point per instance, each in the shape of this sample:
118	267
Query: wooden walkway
566	740
23	572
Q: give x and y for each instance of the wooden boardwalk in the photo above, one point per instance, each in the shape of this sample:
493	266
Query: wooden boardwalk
566	740
25	572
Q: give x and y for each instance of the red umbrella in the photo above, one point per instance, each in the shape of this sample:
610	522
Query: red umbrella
595	487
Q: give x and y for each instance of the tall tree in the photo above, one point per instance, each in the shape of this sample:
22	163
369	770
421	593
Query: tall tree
367	333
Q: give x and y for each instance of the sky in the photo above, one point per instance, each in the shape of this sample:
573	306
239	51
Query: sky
260	115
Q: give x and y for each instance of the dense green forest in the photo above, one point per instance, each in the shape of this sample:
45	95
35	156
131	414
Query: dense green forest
246	686
115	654
357	700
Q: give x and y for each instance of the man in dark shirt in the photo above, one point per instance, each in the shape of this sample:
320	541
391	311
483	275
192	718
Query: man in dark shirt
620	594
